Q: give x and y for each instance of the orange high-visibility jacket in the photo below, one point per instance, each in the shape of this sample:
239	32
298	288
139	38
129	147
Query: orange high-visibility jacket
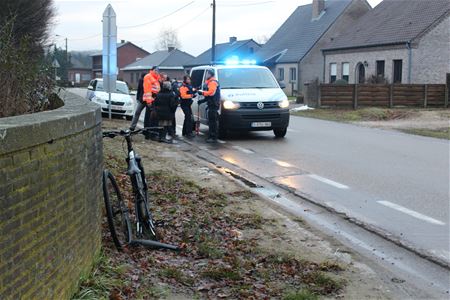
184	92
151	86
212	87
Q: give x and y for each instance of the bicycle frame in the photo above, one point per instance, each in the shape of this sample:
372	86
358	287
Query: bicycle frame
140	189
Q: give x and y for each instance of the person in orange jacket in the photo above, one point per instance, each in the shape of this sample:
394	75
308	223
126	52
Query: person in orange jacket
152	86
187	92
212	98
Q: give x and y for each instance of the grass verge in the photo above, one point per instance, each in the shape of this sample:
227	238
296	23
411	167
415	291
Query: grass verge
358	115
441	133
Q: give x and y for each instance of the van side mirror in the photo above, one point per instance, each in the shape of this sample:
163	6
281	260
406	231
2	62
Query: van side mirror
282	84
91	88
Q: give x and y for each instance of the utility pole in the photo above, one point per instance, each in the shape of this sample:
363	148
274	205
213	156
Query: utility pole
213	48
67	53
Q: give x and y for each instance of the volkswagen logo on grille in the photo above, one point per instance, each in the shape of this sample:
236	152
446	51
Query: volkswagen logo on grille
260	105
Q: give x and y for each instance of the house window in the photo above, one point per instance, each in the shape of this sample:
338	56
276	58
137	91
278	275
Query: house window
345	71
293	74
280	74
398	69
333	72
380	68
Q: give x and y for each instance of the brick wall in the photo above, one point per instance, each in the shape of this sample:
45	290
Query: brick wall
431	59
50	197
429	64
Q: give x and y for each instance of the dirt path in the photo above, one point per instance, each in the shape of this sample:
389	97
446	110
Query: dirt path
235	245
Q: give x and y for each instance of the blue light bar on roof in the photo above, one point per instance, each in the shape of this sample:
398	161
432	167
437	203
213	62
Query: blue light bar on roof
234	60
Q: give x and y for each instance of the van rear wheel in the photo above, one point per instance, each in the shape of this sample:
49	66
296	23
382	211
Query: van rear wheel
280	132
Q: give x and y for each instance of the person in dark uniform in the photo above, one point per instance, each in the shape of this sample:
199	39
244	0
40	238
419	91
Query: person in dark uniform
140	104
187	92
212	98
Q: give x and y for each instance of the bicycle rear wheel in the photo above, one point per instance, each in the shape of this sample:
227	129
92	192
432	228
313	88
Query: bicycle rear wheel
116	211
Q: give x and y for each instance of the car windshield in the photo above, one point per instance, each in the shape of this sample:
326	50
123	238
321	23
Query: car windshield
121	87
246	78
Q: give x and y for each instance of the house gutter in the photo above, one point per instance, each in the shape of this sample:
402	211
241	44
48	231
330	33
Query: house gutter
408	46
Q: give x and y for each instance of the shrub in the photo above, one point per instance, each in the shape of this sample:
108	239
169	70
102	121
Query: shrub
341	82
24	72
377	79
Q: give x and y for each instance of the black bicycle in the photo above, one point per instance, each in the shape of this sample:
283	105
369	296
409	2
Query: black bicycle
118	212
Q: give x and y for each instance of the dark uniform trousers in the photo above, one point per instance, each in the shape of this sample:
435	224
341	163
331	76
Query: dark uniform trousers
213	120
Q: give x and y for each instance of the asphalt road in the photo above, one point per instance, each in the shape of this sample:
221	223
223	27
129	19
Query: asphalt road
393	182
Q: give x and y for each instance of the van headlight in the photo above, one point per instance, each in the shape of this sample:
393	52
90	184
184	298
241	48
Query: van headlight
230	105
283	104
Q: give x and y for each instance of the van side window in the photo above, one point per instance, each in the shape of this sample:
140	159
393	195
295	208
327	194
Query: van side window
197	78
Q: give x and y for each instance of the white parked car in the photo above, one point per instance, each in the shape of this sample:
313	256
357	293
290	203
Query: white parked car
122	104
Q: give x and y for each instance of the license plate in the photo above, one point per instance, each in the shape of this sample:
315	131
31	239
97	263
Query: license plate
116	107
261	124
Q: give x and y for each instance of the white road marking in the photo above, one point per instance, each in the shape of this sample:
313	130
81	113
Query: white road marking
247	151
291	130
179	126
410	212
329	181
281	163
221	142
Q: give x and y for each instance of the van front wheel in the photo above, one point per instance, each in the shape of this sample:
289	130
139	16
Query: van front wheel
280	132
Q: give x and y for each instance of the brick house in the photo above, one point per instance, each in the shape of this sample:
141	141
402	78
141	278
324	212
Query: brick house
245	49
294	54
79	73
401	41
127	53
169	61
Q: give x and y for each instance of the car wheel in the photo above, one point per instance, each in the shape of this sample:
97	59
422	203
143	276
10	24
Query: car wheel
280	132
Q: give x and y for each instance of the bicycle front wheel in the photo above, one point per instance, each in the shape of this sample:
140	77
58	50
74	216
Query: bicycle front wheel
116	211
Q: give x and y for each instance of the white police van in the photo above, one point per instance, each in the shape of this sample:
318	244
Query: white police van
251	99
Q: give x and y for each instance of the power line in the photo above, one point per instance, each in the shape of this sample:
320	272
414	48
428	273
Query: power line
157	19
138	25
181	26
245	4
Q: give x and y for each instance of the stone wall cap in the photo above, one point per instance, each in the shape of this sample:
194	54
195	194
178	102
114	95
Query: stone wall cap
25	131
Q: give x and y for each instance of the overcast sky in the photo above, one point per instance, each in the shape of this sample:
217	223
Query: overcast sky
80	21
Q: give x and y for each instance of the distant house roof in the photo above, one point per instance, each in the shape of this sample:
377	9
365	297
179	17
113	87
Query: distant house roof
233	47
298	34
392	22
119	45
164	59
78	64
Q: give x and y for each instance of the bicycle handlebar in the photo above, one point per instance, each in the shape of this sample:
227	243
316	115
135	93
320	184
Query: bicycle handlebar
113	133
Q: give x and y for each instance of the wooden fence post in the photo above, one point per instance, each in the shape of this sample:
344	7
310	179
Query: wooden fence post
446	97
355	96
425	96
319	96
391	95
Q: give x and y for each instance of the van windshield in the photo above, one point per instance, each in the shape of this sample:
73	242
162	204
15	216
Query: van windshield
246	78
121	87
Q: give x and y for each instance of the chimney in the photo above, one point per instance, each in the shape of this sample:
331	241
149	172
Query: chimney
122	41
233	39
317	7
170	48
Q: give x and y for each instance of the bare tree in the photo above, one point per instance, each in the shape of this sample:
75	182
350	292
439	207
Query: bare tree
262	39
167	37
